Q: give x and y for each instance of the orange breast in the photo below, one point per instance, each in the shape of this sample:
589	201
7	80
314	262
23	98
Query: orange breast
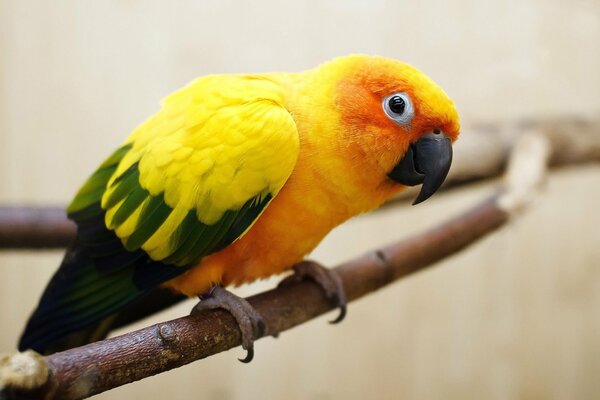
291	226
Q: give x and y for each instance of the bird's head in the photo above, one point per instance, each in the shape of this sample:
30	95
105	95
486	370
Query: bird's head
394	125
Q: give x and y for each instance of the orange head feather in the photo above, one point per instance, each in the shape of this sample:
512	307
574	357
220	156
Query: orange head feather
347	120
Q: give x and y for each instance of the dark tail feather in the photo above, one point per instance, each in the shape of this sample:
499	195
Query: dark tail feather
154	301
148	304
84	336
83	303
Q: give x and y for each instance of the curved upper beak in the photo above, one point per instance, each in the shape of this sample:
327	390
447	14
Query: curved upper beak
426	161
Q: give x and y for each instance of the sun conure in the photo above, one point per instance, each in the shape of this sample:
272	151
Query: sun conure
236	178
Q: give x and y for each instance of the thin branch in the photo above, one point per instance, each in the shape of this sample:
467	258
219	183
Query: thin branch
101	366
35	228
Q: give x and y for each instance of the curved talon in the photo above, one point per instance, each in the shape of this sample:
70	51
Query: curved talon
249	355
341	315
327	279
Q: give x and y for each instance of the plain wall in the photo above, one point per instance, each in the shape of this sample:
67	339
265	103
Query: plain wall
513	317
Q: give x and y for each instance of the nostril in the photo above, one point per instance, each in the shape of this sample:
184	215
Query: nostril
436	131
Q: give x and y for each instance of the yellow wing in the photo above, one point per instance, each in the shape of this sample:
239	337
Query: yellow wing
194	177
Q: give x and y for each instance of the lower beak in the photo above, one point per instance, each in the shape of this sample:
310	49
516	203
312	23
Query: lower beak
426	161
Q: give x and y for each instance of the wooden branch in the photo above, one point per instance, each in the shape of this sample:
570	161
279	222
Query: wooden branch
35	228
100	366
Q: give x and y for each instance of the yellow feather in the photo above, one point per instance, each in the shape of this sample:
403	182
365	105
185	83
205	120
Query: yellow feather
157	246
216	144
128	227
241	116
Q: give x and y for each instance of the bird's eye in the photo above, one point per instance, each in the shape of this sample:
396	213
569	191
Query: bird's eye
398	107
397	104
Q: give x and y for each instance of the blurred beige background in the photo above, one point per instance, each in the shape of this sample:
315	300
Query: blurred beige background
514	317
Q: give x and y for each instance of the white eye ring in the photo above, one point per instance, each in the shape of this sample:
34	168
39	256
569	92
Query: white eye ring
399	108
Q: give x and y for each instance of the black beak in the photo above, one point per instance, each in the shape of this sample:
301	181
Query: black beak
427	161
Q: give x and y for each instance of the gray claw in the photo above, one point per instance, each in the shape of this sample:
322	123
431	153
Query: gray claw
327	279
250	323
249	355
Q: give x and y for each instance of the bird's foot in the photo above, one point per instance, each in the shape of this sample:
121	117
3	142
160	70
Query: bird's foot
327	279
249	321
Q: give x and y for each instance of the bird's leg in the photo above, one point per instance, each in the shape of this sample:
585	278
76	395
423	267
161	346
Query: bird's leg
249	321
327	279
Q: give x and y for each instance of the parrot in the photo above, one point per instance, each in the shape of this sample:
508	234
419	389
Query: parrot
236	178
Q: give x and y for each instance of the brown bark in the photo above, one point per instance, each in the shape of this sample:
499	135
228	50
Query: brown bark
35	228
